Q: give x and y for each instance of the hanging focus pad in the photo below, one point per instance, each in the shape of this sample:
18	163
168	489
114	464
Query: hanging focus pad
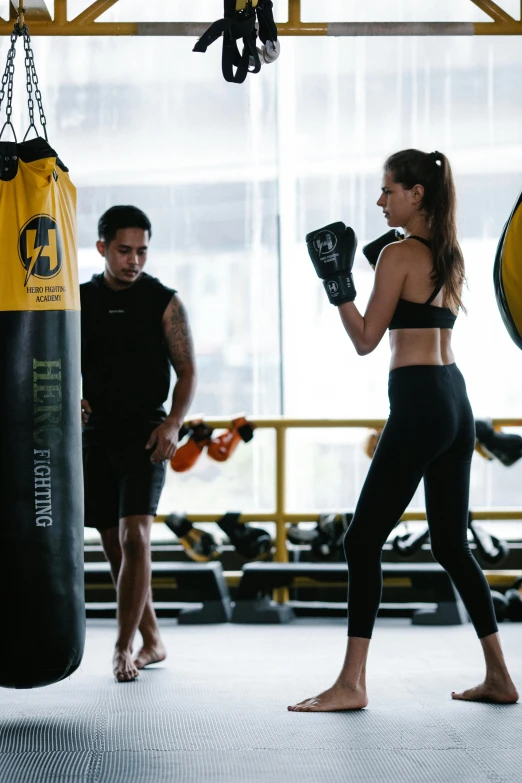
41	484
507	274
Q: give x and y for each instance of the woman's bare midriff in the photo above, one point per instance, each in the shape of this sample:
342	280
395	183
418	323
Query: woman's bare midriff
420	346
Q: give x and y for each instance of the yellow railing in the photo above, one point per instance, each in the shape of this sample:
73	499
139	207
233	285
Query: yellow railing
281	516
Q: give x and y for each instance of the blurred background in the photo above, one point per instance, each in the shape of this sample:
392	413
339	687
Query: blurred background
233	177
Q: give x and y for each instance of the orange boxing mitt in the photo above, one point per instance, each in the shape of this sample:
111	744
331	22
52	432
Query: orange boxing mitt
187	455
223	446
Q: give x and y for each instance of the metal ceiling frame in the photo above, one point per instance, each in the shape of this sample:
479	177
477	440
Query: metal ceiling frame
39	20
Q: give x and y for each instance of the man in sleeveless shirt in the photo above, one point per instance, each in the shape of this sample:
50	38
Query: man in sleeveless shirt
133	330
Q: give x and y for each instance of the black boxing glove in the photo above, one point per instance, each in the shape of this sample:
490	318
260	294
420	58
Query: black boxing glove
332	250
372	250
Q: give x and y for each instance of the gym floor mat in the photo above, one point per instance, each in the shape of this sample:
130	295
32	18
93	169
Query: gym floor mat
215	710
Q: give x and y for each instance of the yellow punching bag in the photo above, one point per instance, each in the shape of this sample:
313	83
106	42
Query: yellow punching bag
41	487
507	274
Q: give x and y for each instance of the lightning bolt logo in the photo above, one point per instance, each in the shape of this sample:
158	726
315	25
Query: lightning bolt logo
32	252
39	242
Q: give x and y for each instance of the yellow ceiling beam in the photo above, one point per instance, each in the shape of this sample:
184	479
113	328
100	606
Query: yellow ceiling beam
494	11
489	28
69	28
503	23
34	10
93	12
60	12
85	24
337	29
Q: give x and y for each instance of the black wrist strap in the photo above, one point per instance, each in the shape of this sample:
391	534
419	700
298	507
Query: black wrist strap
340	288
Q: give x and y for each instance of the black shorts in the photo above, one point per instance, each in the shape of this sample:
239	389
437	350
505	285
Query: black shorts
120	481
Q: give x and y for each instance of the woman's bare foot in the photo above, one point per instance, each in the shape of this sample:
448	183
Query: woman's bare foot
154	653
123	666
499	690
338	697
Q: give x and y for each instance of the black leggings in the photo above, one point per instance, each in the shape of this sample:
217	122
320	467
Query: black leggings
430	433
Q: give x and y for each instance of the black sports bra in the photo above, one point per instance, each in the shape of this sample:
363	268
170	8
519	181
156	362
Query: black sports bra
422	315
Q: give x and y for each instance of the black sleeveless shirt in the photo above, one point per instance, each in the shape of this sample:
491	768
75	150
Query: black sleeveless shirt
422	315
125	362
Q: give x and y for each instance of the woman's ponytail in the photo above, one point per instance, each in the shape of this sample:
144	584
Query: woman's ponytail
433	171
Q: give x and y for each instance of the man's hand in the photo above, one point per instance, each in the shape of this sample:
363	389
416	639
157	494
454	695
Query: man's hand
86	411
165	440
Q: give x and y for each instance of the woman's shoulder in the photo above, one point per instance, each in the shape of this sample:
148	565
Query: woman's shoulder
392	267
405	262
415	255
396	255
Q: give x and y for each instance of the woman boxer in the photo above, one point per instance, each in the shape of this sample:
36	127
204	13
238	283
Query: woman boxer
430	432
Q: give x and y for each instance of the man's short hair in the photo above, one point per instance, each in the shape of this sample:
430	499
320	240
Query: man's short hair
123	216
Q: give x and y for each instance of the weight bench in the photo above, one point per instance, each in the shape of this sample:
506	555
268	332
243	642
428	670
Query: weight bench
200	583
254	605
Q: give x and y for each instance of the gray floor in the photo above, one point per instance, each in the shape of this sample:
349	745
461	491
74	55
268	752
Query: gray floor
216	711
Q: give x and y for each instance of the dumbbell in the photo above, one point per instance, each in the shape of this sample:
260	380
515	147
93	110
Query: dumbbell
252	543
411	543
500	605
490	549
514	599
199	545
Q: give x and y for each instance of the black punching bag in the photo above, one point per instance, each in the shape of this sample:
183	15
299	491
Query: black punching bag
41	487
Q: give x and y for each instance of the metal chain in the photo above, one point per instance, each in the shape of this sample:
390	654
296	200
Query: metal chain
7	79
29	82
32	79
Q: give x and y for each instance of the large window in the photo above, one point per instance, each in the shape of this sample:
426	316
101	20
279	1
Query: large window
233	177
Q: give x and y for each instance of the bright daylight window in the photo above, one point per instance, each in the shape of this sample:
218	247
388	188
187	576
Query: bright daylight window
233	178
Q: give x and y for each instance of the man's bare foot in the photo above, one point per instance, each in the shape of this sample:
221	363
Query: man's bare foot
338	697
154	653
497	691
123	666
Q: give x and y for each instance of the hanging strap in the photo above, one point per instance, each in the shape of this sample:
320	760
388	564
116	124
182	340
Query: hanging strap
241	27
267	25
241	19
248	60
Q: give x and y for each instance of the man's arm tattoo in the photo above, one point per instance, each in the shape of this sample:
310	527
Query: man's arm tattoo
179	337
